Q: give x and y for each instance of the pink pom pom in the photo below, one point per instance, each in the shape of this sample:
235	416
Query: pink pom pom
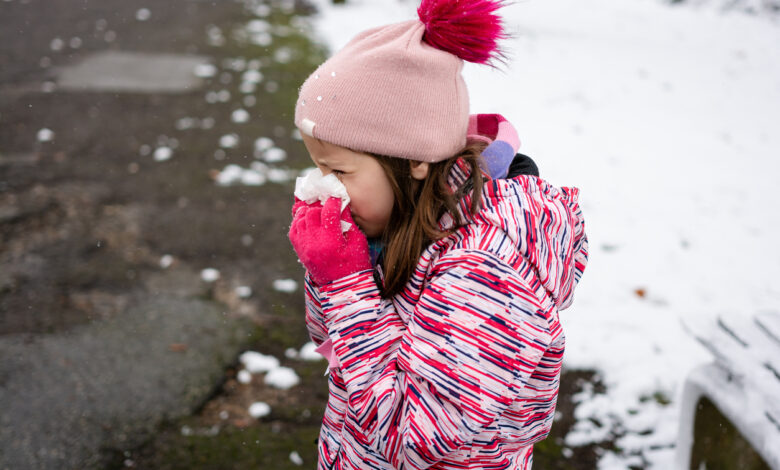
470	29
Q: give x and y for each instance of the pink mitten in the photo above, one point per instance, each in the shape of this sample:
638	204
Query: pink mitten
325	251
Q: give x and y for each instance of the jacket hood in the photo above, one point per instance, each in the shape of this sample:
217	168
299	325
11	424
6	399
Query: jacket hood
544	222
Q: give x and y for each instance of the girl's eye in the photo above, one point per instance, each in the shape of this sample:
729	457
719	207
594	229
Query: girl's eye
337	172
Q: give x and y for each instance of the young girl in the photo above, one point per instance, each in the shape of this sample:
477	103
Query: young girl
438	307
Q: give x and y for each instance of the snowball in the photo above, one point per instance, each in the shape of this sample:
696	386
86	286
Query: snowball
185	123
256	362
229	175
244	376
259	167
285	285
247	87
258	26
209	275
252	76
259	409
205	70
274	154
263	143
228	141
143	14
295	458
282	377
283	55
240	116
166	261
278	175
45	135
309	353
252	178
223	96
162	153
57	44
244	291
262	39
262	10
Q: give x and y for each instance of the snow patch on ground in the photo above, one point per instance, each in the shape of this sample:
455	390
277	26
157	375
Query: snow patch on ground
276	375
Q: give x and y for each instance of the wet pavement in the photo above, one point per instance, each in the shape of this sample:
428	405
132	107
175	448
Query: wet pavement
113	125
147	158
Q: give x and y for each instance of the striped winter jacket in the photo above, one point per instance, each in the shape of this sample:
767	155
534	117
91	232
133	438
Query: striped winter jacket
461	369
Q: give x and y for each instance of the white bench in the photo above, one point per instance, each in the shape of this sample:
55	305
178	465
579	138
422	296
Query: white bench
743	383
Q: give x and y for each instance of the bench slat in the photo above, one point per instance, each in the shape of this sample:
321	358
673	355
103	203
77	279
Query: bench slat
749	351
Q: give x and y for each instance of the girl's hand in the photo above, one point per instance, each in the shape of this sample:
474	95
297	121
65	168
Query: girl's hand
323	249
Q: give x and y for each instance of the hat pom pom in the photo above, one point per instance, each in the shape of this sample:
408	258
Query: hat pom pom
470	29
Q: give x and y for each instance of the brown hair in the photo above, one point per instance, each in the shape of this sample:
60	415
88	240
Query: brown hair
414	221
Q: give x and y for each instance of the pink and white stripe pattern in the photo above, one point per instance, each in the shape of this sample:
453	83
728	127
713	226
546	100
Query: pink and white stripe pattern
460	370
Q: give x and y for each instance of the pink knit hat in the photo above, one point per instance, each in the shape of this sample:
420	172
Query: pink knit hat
397	90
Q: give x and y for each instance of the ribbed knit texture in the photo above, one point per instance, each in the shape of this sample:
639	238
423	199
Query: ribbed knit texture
388	92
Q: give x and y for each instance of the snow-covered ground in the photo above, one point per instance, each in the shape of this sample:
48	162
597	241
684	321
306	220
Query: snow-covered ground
666	117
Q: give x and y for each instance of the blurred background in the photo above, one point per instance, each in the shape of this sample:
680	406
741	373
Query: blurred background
151	311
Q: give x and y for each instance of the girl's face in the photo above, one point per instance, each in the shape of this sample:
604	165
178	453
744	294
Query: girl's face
367	184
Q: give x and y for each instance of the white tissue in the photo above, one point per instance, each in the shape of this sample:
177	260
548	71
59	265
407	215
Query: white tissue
316	187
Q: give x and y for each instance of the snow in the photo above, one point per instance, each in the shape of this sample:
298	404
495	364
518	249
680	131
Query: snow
276	375
162	153
143	14
282	378
252	76
308	352
209	274
45	135
256	175
166	261
274	155
314	186
56	44
256	362
263	143
285	285
666	119
259	409
262	10
243	291
228	141
295	458
240	116
205	70
244	376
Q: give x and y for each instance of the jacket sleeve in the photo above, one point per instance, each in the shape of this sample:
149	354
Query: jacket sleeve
419	392
315	322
